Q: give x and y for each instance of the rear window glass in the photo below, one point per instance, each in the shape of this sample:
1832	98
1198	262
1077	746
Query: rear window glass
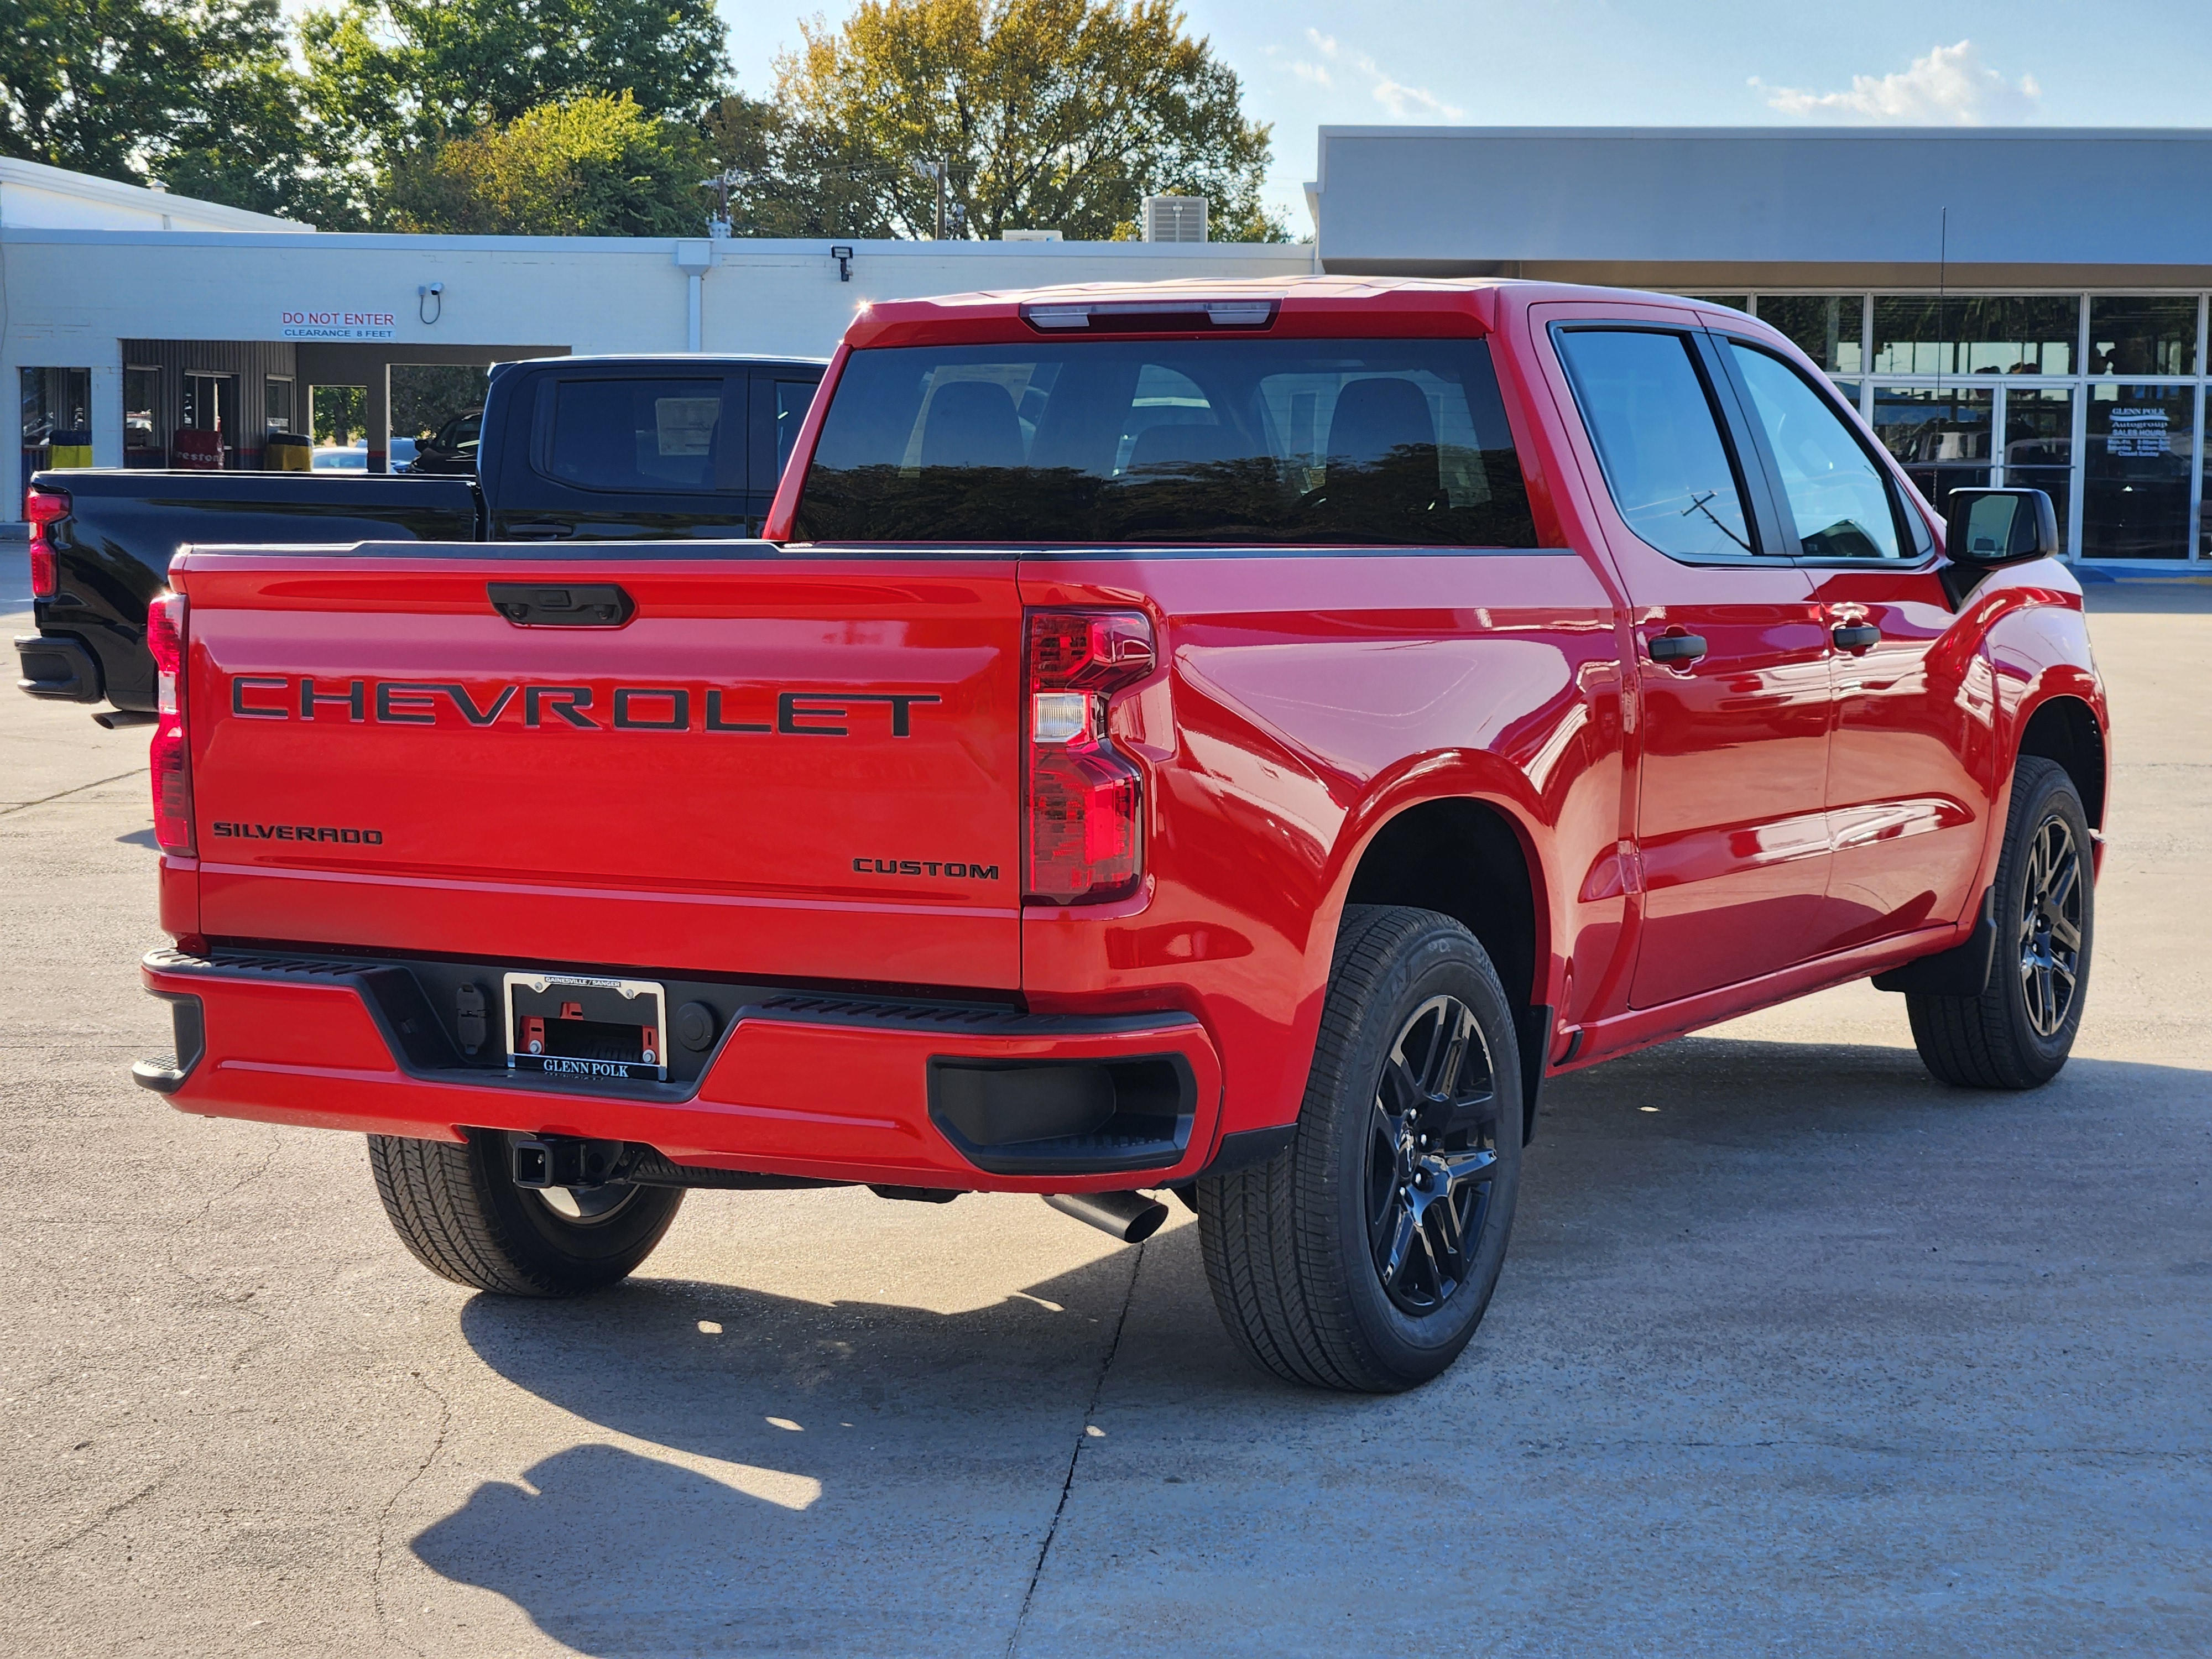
793	399
641	434
1213	441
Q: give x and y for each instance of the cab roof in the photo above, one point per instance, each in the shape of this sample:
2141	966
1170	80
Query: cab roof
1300	306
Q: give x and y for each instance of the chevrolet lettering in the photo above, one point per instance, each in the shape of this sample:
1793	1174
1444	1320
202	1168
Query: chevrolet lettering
797	714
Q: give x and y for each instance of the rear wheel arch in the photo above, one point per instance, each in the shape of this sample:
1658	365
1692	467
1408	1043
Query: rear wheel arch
1471	859
2065	729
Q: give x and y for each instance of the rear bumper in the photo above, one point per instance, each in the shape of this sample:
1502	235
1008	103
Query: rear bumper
58	666
841	1088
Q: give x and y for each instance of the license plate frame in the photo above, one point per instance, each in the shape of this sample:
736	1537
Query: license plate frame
642	1004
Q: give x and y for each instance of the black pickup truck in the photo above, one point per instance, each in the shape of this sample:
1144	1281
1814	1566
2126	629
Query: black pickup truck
599	448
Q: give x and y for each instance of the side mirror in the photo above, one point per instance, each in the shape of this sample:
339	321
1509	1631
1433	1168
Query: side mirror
2000	526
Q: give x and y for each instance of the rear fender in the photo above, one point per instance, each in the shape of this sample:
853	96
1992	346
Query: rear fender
2031	641
1473	776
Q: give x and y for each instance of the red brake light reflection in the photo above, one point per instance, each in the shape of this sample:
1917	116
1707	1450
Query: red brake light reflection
43	507
169	754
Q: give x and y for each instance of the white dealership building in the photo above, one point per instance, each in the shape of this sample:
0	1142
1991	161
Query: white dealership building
2022	304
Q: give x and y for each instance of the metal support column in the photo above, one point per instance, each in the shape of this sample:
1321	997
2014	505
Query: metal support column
377	418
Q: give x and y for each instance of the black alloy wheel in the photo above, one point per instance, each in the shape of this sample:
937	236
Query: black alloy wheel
2050	927
1431	1160
2017	1033
1363	1255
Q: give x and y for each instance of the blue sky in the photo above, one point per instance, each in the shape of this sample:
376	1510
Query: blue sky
1706	63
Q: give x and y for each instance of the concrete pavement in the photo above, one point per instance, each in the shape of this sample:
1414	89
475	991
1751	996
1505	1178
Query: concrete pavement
1815	1357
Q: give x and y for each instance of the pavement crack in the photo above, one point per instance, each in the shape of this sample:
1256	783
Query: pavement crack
240	1304
384	1632
1075	1456
63	794
96	1522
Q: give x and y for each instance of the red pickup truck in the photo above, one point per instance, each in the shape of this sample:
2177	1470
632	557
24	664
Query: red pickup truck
1229	741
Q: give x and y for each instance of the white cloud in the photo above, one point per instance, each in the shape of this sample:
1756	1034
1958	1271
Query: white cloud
1950	87
1401	101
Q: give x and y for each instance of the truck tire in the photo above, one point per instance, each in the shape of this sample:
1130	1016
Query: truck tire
2018	1032
1362	1255
457	1209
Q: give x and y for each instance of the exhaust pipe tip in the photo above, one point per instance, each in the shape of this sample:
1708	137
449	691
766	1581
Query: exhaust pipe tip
1130	1216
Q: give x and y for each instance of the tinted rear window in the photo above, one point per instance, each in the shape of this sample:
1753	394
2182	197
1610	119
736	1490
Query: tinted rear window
644	434
1217	441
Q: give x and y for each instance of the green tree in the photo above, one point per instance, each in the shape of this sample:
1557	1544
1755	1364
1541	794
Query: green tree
1050	114
425	396
793	177
406	75
196	94
595	166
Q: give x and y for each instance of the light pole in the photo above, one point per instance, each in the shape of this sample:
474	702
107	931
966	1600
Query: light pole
722	183
936	171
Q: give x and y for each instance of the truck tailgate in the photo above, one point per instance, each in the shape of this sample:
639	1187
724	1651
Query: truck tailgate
775	767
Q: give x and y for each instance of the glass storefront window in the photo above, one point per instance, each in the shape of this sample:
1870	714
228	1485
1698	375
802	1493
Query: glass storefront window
1827	327
2143	334
2136	476
2038	452
277	405
56	417
142	417
1974	334
55	400
1941	437
1733	302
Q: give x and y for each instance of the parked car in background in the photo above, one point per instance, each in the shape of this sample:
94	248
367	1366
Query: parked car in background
593	448
1236	741
451	450
354	457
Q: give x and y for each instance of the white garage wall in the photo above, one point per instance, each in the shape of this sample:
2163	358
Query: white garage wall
70	297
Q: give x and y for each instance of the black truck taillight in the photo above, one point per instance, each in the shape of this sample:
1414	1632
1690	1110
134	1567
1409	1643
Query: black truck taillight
43	507
1086	842
171	756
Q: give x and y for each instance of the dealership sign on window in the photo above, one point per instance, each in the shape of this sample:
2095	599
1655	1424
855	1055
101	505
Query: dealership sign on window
2137	432
339	326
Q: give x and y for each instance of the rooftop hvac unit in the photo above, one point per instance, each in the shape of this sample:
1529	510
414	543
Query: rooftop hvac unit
1175	218
1028	235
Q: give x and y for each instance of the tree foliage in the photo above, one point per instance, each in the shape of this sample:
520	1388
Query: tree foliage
599	116
793	177
1050	114
196	94
412	74
595	166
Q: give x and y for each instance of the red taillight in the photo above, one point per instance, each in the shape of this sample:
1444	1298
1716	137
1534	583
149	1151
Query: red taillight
1085	800
171	756
42	507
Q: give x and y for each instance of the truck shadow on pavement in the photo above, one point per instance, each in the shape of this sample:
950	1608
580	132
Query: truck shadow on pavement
791	1476
798	1476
